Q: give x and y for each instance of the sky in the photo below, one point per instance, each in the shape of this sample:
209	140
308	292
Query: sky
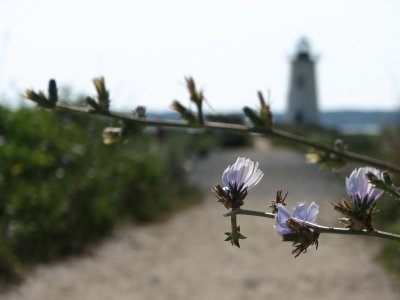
232	48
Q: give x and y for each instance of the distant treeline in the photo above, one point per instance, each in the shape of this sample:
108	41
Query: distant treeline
351	122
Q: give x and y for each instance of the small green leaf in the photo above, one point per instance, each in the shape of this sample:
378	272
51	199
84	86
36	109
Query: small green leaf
254	118
93	103
242	237
39	98
184	112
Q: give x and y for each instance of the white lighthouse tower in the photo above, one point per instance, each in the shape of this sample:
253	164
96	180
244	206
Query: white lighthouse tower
302	98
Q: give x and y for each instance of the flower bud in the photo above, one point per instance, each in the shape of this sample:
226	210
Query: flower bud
140	112
53	96
387	179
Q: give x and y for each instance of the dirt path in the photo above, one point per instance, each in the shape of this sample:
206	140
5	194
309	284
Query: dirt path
186	257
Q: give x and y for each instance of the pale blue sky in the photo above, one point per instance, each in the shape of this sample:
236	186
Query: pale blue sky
232	48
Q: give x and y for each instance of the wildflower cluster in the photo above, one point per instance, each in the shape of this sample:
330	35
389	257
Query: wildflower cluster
298	227
242	176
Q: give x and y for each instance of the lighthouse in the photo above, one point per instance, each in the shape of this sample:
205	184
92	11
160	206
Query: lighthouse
302	96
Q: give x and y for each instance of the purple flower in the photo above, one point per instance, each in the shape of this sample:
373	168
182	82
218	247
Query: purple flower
359	188
301	213
242	175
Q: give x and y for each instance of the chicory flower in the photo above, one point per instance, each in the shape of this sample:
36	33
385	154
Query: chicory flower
300	213
242	175
360	189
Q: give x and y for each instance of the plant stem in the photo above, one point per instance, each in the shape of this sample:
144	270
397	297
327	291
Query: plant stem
238	128
234	234
319	228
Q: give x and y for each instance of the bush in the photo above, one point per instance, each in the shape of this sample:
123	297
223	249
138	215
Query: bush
62	188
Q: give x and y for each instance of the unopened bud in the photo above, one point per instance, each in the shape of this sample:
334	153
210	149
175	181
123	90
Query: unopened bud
53	95
265	111
195	96
140	112
102	93
183	111
38	98
339	145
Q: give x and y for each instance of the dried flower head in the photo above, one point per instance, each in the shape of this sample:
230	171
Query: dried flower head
279	199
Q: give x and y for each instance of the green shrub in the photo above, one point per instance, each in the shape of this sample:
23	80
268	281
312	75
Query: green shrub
62	188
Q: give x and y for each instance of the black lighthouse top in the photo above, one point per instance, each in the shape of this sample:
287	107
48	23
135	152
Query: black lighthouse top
303	51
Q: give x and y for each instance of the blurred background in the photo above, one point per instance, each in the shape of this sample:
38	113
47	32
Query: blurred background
330	70
232	48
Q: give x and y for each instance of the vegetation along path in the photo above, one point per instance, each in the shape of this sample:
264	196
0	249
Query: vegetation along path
186	257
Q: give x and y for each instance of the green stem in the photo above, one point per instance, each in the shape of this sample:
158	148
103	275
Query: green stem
246	212
235	233
319	228
200	114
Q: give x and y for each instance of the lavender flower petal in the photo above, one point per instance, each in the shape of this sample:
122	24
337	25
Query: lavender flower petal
281	218
359	188
312	212
301	213
243	172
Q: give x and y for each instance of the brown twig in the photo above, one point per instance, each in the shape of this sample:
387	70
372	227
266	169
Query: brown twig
238	128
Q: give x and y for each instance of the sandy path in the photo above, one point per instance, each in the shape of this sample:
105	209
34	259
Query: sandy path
186	257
